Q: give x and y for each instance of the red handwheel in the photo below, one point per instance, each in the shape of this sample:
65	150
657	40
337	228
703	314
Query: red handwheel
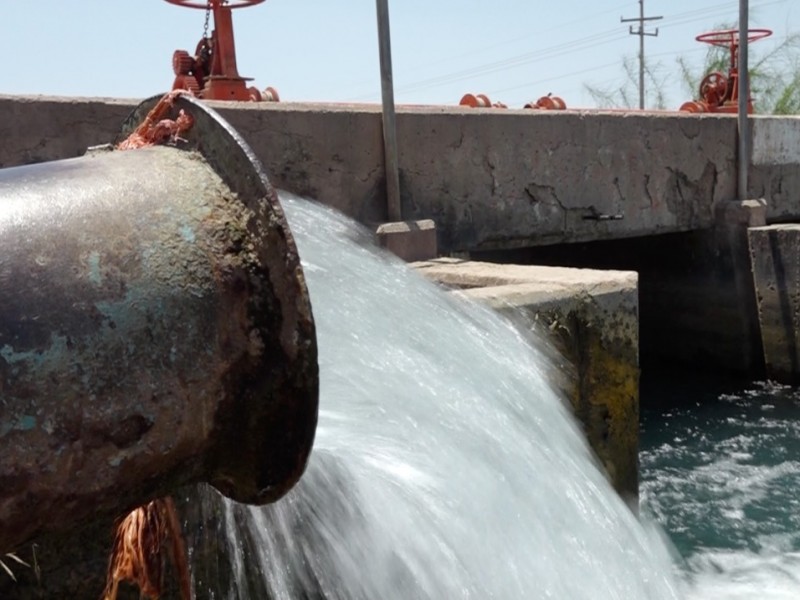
210	4
727	37
211	73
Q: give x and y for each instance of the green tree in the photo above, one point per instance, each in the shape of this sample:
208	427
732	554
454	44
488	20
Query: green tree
774	75
626	94
774	78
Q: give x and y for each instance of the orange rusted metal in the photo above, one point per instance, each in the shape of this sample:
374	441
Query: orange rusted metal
548	102
719	93
211	73
156	129
479	101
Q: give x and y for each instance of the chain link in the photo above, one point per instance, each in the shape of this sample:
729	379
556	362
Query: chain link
205	25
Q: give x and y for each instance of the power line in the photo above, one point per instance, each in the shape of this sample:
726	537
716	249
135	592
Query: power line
570	46
567	47
505	42
641	33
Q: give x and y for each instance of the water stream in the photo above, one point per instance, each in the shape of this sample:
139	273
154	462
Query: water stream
445	466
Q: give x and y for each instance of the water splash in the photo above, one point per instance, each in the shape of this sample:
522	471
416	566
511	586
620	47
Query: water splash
721	473
444	465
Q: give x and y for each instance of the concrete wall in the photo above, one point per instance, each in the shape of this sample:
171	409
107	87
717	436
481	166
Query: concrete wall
491	179
38	129
775	170
592	318
775	256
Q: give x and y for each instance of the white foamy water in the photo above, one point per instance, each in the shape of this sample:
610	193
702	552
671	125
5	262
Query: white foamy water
744	575
722	474
444	466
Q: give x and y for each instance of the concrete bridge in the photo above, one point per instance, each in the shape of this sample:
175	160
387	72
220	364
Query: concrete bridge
643	191
490	179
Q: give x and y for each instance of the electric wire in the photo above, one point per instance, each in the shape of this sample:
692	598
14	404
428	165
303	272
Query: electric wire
565	48
568	47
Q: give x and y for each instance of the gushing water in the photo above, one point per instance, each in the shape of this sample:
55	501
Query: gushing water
445	466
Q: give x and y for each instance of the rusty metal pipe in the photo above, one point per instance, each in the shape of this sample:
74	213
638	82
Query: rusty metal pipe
155	330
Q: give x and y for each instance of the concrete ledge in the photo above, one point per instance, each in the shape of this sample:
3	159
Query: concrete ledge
592	316
410	240
490	179
752	213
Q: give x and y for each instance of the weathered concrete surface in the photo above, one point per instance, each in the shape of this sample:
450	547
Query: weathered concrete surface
409	240
775	169
593	317
41	128
489	179
775	255
501	179
733	219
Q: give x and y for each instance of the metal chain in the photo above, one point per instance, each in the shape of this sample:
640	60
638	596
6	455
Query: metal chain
205	25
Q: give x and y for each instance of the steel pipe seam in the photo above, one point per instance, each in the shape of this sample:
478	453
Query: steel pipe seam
155	330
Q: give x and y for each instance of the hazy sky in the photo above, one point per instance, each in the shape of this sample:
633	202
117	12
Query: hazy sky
326	50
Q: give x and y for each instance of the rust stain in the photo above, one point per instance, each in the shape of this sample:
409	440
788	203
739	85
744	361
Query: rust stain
156	129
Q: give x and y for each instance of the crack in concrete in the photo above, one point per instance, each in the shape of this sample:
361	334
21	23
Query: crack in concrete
647	191
714	180
370	174
493	175
459	143
691	136
680	178
550	190
620	196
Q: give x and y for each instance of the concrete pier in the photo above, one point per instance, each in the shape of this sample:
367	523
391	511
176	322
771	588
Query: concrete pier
592	317
775	256
410	240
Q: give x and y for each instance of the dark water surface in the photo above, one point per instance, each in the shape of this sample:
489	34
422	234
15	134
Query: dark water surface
720	472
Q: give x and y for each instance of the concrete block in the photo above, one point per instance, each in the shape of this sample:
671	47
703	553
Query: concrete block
592	317
410	240
730	266
752	213
775	258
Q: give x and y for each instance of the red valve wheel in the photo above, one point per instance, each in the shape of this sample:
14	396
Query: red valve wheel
727	37
211	3
714	87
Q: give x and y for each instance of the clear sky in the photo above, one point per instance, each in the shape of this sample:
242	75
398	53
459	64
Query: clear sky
326	50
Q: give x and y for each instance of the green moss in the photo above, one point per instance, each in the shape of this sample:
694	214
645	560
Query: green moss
604	388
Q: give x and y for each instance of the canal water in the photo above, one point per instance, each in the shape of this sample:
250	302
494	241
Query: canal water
720	472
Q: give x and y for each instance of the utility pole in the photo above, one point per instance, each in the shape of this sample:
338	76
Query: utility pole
641	33
391	168
744	95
